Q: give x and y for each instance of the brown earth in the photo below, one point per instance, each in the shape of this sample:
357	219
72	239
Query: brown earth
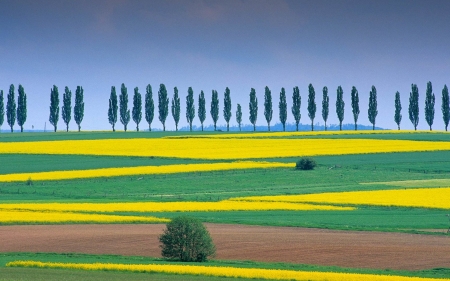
240	242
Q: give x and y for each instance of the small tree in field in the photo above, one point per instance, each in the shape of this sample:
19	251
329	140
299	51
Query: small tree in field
186	239
239	115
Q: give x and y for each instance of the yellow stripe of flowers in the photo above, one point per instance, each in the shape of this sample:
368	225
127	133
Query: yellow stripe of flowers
221	148
168	206
8	217
234	272
142	170
421	197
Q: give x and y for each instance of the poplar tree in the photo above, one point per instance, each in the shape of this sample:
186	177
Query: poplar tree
66	110
239	115
137	108
282	106
312	105
176	107
123	104
163	105
253	108
296	103
2	110
21	108
445	107
201	108
325	105
11	108
398	110
149	107
372	112
340	105
268	106
78	110
429	105
190	107
414	106
227	107
54	107
214	107
112	110
355	106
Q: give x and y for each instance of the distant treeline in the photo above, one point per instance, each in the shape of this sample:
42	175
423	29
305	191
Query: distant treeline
118	107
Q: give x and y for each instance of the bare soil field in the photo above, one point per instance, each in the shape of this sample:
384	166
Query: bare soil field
240	242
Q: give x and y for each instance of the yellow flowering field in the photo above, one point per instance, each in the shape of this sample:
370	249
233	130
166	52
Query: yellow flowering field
16	216
420	197
308	133
233	272
141	170
225	205
209	148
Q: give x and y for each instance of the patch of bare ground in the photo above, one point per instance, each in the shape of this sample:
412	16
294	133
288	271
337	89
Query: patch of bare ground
356	249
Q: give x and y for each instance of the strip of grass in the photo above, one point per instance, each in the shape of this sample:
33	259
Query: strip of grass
85	258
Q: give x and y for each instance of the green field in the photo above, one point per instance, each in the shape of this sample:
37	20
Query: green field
333	174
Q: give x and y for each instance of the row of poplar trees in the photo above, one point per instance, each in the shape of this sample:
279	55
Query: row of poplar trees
14	111
163	107
66	110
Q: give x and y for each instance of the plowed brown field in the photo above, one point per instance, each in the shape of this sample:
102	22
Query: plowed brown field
240	242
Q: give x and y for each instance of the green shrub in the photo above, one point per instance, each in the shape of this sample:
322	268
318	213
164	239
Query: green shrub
29	181
306	163
186	239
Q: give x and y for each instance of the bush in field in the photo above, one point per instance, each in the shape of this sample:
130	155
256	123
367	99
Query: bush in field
305	163
186	239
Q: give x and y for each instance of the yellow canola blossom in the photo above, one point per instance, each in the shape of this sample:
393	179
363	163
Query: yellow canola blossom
208	148
14	216
233	272
225	205
306	133
421	197
141	170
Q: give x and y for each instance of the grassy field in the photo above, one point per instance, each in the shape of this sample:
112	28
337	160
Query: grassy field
333	174
27	273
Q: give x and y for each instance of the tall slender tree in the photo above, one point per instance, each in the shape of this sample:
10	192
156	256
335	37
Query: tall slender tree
149	107
2	109
78	110
214	107
176	107
429	105
163	105
340	106
137	108
325	105
239	115
112	110
445	107
414	106
296	103
227	107
268	106
312	105
21	108
54	107
398	110
355	106
66	110
372	112
201	108
253	108
282	106
11	108
190	107
123	107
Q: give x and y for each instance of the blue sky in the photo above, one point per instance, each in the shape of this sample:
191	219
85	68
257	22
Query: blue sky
210	45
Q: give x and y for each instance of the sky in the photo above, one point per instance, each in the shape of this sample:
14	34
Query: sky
211	45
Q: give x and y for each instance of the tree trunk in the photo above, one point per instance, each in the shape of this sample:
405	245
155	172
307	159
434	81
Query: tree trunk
164	127
284	127
239	127
79	128
190	127
125	127
137	128
12	130
149	127
340	126
214	126
67	128
325	125
254	127
373	127
268	126
55	129
21	129
296	126
312	125
399	127
356	127
202	127
228	127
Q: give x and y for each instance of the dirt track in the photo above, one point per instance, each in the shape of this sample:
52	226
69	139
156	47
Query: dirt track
238	242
